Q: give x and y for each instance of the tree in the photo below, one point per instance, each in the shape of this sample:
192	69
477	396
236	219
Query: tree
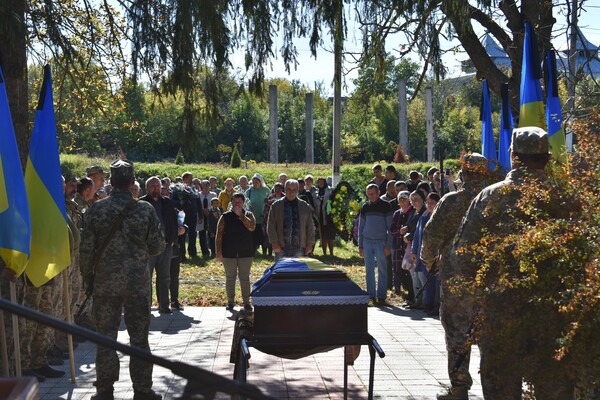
424	21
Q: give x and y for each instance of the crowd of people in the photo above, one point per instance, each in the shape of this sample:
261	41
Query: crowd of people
408	230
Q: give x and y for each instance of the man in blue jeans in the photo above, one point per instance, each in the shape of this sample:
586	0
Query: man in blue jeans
375	241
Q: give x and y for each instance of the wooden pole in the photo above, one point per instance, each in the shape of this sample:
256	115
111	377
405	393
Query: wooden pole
69	319
4	349
17	341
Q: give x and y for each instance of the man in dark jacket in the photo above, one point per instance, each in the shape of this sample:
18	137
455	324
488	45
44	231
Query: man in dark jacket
168	223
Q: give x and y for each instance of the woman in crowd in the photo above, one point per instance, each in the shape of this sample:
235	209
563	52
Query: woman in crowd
398	229
417	200
257	195
326	227
226	195
235	249
429	298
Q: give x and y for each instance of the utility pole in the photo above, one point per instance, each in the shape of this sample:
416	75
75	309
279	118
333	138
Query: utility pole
338	47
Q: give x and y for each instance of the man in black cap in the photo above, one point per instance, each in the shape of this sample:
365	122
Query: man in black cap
119	277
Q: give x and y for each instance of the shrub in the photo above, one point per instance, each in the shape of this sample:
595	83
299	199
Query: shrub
236	160
179	160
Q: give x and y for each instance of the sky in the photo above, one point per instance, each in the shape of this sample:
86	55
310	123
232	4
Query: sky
311	70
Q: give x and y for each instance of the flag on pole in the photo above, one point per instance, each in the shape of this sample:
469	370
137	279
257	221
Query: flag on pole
556	133
15	227
506	126
532	106
488	146
50	252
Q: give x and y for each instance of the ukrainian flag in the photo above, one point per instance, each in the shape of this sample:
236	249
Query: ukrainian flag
506	126
532	106
488	146
50	252
15	227
556	133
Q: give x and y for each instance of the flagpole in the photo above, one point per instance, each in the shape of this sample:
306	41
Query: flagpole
17	341
4	349
67	301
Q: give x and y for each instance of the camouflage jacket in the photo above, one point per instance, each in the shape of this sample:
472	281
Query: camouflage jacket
492	206
122	269
443	224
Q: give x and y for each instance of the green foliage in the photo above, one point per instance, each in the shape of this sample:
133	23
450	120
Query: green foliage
543	258
179	160
236	160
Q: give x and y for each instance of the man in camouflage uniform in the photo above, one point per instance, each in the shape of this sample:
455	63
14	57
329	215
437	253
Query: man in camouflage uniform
121	279
502	355
455	310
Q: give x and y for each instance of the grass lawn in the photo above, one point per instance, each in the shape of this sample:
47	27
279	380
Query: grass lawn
202	280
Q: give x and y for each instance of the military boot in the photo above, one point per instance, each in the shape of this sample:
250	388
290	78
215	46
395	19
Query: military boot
455	393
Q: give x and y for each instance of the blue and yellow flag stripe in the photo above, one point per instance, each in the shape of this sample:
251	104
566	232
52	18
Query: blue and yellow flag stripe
554	119
50	252
15	226
488	145
531	100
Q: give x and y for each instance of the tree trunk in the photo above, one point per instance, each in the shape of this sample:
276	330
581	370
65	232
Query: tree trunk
13	48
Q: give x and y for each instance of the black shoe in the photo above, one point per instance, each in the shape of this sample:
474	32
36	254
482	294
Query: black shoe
247	307
49	372
165	311
229	307
151	395
176	306
434	313
107	395
33	374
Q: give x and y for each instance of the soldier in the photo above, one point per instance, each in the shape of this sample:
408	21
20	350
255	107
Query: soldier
492	212
121	279
456	311
96	174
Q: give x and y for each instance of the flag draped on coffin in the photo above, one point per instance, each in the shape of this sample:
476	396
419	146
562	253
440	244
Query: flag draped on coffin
506	126
532	106
556	133
49	233
488	146
15	227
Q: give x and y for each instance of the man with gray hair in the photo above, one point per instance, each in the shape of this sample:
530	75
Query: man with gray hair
289	226
168	224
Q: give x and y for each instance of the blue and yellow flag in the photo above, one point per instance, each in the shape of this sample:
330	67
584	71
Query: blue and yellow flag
15	227
50	252
554	119
506	127
532	101
488	146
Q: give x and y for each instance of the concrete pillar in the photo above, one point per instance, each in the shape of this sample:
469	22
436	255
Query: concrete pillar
338	48
429	122
403	116
310	123
273	126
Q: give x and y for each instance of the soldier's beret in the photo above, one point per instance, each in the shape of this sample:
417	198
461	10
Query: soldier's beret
94	169
121	168
529	140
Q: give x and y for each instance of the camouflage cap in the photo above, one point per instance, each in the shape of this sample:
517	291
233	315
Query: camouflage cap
475	162
122	169
529	140
94	169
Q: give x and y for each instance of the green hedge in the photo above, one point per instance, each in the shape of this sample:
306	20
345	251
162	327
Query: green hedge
356	174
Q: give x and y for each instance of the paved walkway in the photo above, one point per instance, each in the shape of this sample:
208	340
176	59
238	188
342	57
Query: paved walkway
414	366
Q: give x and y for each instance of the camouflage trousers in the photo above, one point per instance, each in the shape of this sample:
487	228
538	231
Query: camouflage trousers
456	315
507	360
106	312
36	338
